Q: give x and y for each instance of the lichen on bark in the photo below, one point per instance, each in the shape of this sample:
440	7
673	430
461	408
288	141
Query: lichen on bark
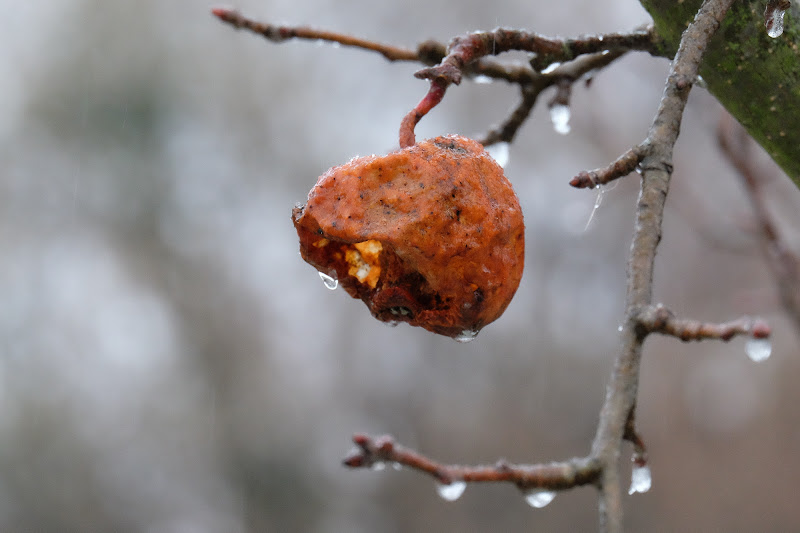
755	77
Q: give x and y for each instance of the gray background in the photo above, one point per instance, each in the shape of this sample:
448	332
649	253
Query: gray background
169	364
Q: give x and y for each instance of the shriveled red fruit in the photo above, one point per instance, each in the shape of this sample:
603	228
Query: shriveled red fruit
431	235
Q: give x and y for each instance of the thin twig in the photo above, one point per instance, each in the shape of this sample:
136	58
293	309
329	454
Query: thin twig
656	172
466	50
530	89
552	476
282	33
622	166
659	319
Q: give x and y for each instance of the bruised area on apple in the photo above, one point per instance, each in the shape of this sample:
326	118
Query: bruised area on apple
431	235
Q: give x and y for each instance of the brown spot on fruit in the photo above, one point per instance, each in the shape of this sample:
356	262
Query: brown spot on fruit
431	235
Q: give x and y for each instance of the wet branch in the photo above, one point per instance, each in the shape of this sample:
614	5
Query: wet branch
531	87
427	52
466	50
552	476
659	319
656	165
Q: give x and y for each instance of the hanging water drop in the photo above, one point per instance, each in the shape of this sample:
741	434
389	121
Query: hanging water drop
499	152
641	479
482	79
551	67
700	82
397	466
467	335
773	17
378	466
559	116
597	202
452	491
758	349
539	498
619	328
329	281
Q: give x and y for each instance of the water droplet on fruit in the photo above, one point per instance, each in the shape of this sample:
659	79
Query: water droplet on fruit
467	335
641	479
539	498
499	152
559	116
451	492
329	281
758	349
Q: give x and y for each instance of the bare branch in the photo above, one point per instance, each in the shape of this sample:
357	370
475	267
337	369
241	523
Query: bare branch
656	172
282	33
466	50
659	319
551	476
621	167
537	82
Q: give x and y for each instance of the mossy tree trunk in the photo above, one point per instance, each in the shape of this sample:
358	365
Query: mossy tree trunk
756	77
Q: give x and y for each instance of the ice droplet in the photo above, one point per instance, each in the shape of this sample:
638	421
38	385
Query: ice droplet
378	466
559	116
480	78
499	152
774	22
641	479
329	281
700	82
597	202
758	349
451	492
466	335
539	498
551	67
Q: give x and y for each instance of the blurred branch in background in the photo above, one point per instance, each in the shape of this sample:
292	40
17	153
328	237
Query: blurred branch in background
737	146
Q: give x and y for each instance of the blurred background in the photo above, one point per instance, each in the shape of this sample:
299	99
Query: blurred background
168	363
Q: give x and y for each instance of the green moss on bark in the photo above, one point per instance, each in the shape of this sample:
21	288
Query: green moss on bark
755	77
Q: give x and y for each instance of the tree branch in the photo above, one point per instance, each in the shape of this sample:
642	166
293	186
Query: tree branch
656	168
466	50
659	319
552	476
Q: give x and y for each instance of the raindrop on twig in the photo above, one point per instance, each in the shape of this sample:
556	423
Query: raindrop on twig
539	497
758	349
773	17
559	116
641	479
451	492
